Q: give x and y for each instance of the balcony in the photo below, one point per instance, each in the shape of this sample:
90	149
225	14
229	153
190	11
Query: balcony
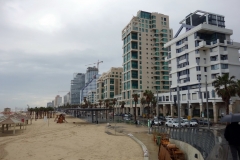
165	68
155	36
157	68
182	61
183	76
157	54
204	45
165	79
156	84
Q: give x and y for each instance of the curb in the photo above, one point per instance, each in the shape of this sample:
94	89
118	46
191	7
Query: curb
144	148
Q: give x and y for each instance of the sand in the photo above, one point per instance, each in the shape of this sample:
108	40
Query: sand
67	141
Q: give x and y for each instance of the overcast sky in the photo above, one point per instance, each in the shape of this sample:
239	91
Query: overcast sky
42	43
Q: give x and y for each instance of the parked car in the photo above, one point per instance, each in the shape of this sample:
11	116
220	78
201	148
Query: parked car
168	118
127	118
192	123
158	122
127	115
204	122
162	118
172	123
194	120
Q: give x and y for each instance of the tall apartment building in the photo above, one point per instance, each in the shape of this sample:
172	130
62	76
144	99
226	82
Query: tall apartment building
66	99
77	84
58	101
91	97
109	84
53	104
144	67
202	53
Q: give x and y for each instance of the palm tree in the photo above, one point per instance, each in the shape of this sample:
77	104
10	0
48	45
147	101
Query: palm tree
154	103
149	96
143	101
237	87
135	98
225	88
36	110
86	102
113	102
51	109
122	105
100	103
41	109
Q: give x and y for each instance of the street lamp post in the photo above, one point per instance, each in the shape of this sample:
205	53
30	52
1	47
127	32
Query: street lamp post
207	102
178	102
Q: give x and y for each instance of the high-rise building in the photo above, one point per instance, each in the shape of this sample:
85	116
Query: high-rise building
58	101
49	104
77	84
66	99
90	73
91	97
91	86
53	105
144	67
109	84
196	57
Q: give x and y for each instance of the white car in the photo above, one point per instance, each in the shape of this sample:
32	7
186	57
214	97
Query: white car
172	123
192	123
156	122
168	118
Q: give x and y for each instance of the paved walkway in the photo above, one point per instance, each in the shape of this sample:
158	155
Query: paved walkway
141	133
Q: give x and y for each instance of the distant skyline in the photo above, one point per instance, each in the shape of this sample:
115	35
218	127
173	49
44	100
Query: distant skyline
43	43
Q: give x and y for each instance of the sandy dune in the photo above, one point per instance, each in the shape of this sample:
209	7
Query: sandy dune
69	141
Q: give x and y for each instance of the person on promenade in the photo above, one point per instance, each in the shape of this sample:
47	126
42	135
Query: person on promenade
231	134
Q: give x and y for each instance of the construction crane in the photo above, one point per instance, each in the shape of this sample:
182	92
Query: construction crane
95	63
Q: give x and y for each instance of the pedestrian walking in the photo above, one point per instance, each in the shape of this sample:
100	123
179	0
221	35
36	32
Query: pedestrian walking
231	134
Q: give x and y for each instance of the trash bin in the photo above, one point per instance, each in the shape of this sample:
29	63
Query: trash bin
158	140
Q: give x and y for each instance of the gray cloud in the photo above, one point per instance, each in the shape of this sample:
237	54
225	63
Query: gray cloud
42	43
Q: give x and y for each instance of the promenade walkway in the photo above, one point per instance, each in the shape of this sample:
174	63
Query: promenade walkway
141	133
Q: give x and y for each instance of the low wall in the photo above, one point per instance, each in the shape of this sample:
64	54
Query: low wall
190	152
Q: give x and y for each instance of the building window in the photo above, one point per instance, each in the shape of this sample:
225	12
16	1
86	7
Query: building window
207	95
198	68
224	66
224	57
197	60
214	67
199	77
214	58
205	69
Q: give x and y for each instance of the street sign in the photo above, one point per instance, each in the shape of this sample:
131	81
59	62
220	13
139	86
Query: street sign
189	117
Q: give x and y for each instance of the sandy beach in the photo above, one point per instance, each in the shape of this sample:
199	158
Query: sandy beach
67	141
